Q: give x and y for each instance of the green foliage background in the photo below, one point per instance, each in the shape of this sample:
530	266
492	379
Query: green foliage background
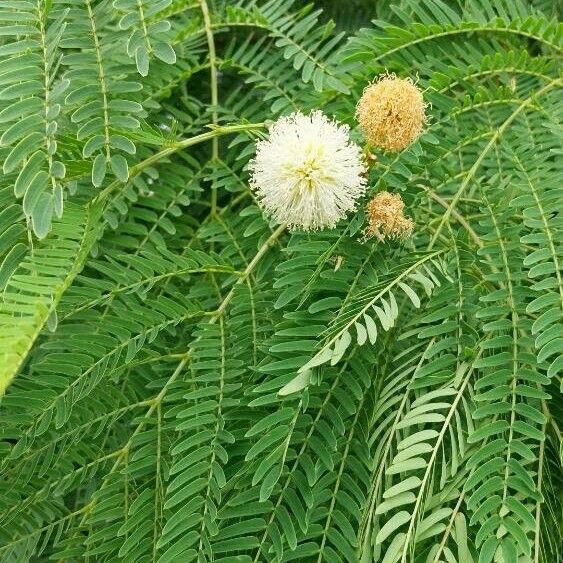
150	315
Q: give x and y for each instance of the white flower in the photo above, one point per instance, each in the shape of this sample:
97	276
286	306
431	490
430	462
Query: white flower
308	174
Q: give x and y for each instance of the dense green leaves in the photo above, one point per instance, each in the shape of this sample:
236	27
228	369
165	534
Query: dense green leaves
148	36
30	109
183	381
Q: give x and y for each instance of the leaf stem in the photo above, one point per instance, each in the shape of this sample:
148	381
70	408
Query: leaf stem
216	131
214	92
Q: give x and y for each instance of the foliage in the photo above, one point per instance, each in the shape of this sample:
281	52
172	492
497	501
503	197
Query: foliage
183	381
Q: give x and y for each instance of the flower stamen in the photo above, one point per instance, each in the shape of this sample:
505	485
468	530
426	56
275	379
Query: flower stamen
391	113
386	219
308	174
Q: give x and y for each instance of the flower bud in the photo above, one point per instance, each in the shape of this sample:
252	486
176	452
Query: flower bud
391	113
386	218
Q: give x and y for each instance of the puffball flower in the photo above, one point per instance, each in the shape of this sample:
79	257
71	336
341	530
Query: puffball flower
386	219
308	174
391	113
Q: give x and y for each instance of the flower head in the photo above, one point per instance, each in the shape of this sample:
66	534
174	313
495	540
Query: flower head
386	219
308	174
391	113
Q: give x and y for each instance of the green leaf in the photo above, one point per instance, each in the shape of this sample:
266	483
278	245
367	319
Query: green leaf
142	60
391	525
123	143
397	500
165	53
22	150
42	215
11	262
406	485
119	167
34	192
99	170
395	549
298	383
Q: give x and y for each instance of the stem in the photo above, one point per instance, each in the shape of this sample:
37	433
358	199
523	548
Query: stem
176	147
101	76
364	535
249	269
448	528
214	92
537	531
430	466
123	452
456	215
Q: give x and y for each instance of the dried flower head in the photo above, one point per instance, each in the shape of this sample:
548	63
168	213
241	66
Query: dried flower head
391	113
308	174
386	218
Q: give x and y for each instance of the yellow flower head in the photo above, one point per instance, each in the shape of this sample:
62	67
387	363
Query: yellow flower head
386	219
391	113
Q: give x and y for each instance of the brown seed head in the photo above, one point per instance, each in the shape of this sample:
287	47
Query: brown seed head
391	113
386	219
